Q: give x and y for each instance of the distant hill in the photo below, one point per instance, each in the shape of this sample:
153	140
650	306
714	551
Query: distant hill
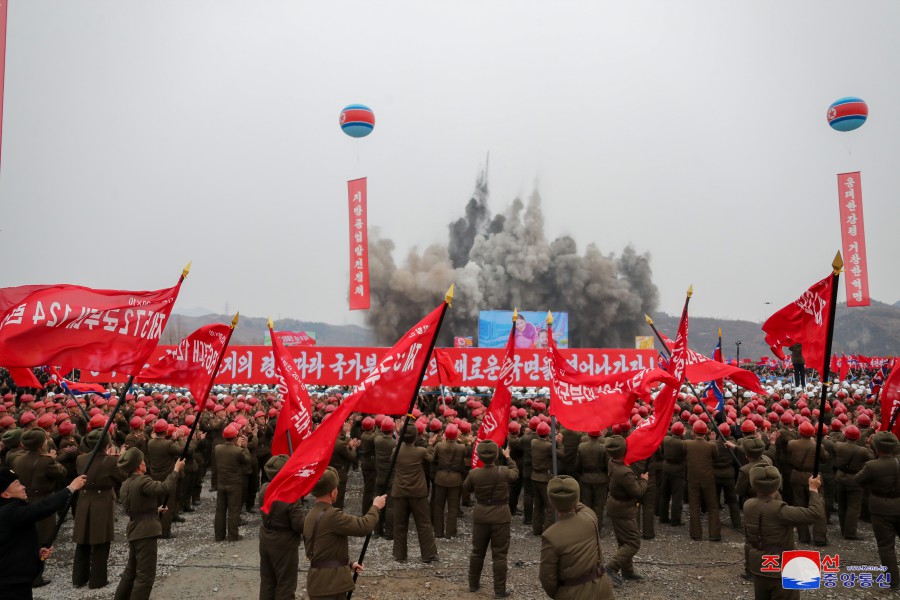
872	330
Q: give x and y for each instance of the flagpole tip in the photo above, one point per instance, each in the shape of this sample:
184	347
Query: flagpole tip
720	332
648	319
234	321
449	297
838	263
271	325
690	291
549	318
186	270
515	315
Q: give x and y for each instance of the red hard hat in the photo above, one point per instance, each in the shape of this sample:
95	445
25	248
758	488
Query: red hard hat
704	417
7	421
368	424
420	427
748	427
787	419
26	418
435	425
514	427
533	423
700	427
864	420
465	427
807	429
543	429
46	420
273	413
643	411
685	415
724	429
136	423
678	428
452	432
97	422
836	425
387	424
851	432
230	432
66	427
161	426
520	413
189	420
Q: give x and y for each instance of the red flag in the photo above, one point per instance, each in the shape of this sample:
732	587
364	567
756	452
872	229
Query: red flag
359	244
389	388
446	370
495	425
309	460
24	377
192	363
649	433
700	368
585	402
805	322
296	411
75	326
74	388
890	400
845	368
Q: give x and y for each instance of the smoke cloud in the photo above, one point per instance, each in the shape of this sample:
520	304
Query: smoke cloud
505	261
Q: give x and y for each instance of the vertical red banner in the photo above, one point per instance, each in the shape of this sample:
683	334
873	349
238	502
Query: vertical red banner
853	237
359	245
3	6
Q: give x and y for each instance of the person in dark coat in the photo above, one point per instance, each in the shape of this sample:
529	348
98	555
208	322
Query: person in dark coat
280	534
625	491
571	556
882	477
20	546
410	495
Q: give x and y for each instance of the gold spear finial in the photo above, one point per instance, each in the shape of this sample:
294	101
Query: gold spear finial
515	314
234	321
549	318
271	325
449	297
648	319
838	264
720	332
690	291
186	270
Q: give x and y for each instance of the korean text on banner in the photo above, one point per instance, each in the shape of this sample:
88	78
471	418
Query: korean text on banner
359	245
853	238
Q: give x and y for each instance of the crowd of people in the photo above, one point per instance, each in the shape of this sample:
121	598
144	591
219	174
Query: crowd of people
753	461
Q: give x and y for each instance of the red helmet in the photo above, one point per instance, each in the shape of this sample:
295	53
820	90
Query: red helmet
864	420
465	427
851	432
189	420
724	429
836	425
452	432
368	424
387	424
514	427
46	420
700	427
229	433
272	413
685	415
136	423
543	429
27	417
787	418
533	423
807	429
66	427
161	426
748	427
435	425
678	428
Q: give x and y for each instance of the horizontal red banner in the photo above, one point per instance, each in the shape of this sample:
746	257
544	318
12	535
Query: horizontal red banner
348	366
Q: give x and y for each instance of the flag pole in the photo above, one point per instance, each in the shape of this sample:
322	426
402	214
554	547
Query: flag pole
552	417
287	434
693	391
837	266
448	299
103	435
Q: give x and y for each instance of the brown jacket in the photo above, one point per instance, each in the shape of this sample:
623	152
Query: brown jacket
700	456
283	526
491	486
325	532
231	461
570	549
450	463
409	478
769	527
591	462
541	459
96	508
882	475
625	490
161	456
139	500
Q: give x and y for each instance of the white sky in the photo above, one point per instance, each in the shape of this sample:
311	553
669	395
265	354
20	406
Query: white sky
138	136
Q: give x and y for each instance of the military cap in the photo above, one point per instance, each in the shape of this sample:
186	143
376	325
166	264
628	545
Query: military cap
885	441
563	492
765	479
94	436
753	447
12	438
130	460
410	433
274	464
616	446
34	439
488	451
328	482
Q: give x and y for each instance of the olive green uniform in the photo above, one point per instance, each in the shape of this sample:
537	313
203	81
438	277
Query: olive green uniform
849	460
94	527
702	486
280	534
410	497
572	560
625	491
450	470
591	464
231	461
882	476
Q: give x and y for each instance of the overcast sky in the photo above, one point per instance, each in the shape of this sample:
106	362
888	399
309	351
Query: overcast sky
140	135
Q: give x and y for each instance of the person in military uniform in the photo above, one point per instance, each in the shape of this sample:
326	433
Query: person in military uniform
516	455
410	497
541	467
162	452
450	464
786	433
39	471
571	556
20	547
94	527
801	454
769	527
342	459
215	427
232	458
591	468
139	501
700	454
625	491
672	476
491	516
527	487
571	440
366	455
752	448
280	534
384	448
849	460
882	477
325	532
723	472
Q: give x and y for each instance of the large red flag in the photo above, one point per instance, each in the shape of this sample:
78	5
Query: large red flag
393	381
495	425
700	368
192	363
805	322
24	377
446	370
390	386
583	402
295	419
649	433
890	400
75	326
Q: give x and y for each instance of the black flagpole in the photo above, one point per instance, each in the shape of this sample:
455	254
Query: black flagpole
837	265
